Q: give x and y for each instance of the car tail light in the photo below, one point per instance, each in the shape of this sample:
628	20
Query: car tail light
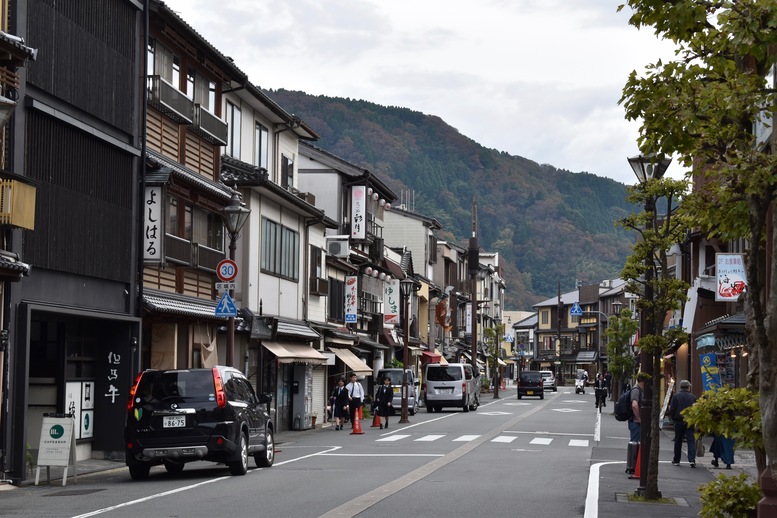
134	388
463	388
221	396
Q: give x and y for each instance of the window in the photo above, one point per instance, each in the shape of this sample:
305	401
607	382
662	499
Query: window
233	136
336	300
212	97
545	316
208	229
260	146
280	250
150	60
190	75
176	78
287	172
316	270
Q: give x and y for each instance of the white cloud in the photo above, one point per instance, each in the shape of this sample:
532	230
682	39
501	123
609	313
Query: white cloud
539	79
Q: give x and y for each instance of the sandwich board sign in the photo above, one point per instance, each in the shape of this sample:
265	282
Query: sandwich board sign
57	445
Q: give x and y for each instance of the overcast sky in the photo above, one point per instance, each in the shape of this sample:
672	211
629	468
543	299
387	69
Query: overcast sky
536	78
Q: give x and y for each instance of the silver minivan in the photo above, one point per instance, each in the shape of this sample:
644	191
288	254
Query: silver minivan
451	385
396	385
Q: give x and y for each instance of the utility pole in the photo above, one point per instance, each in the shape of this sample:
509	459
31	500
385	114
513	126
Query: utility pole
560	313
473	265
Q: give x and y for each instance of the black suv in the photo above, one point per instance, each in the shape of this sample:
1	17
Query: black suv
178	416
530	384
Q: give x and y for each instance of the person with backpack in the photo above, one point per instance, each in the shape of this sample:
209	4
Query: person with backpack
680	401
635	398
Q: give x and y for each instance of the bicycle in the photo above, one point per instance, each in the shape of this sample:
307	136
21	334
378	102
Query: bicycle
601	398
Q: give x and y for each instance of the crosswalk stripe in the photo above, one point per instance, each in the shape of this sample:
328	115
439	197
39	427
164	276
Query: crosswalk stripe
392	438
504	438
466	438
579	442
541	440
429	438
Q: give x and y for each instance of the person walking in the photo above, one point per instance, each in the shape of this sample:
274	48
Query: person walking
680	401
722	448
355	396
340	404
635	396
608	383
383	397
600	391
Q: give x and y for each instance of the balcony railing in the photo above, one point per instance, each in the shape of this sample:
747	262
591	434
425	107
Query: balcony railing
170	101
209	127
17	204
206	258
178	251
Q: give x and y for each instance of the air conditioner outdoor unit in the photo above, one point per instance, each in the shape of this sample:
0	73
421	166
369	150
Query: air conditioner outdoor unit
338	246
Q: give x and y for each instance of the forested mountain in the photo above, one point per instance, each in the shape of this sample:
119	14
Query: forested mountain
547	224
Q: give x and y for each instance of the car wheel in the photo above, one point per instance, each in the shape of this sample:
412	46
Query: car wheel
265	459
555	389
438	408
476	404
413	409
519	396
240	466
465	407
173	467
542	396
139	471
429	409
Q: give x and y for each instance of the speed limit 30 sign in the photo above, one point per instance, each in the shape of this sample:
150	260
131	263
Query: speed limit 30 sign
227	270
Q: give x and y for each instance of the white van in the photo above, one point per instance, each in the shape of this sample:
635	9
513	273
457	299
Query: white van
396	384
451	385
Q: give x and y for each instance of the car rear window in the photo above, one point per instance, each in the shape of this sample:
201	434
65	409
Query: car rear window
396	376
443	374
176	384
531	376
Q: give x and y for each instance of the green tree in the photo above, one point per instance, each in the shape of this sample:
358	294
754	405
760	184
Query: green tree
647	272
621	361
492	337
707	107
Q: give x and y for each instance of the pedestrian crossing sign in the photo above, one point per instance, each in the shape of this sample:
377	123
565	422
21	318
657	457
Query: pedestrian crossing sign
576	311
226	306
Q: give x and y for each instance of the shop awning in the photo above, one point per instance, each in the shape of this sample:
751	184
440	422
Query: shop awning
294	353
356	364
500	362
586	357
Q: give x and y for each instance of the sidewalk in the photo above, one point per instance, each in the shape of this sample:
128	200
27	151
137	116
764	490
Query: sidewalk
677	483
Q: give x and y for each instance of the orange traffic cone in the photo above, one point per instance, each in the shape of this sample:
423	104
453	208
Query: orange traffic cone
375	421
357	422
639	463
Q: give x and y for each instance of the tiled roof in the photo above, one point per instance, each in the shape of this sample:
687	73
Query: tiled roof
182	305
9	262
288	328
177	170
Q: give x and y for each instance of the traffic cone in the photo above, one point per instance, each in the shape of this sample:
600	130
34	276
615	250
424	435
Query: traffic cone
375	421
357	422
635	475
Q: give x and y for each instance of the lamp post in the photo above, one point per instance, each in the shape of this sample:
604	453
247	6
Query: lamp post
234	216
406	286
647	168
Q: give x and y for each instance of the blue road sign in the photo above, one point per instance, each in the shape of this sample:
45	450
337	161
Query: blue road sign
226	307
576	311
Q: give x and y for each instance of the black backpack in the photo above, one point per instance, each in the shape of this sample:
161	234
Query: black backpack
623	406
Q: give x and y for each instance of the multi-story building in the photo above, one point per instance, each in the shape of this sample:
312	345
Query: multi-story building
74	323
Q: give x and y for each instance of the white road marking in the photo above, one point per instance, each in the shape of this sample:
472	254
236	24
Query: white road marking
495	413
541	440
466	438
565	410
430	438
578	442
504	438
392	438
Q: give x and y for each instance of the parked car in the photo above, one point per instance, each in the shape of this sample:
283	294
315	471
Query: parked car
451	385
179	416
549	380
396	384
530	383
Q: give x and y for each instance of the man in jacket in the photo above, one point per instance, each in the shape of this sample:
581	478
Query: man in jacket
680	401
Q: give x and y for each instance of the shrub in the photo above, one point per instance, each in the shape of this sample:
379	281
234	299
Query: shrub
729	496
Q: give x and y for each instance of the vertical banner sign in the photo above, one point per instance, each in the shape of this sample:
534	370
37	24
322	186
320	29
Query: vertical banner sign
730	271
358	212
153	233
710	374
351	299
87	410
468	318
391	302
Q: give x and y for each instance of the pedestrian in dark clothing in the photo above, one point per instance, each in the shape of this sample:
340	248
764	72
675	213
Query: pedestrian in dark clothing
680	401
383	397
722	448
635	396
608	383
600	390
355	397
340	405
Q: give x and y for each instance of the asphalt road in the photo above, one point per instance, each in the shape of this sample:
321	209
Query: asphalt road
512	457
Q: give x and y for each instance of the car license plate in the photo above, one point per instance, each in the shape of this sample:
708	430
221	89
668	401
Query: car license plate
173	421
446	391
397	390
529	392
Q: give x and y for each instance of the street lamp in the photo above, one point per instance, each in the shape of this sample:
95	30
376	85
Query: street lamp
406	287
234	217
647	168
